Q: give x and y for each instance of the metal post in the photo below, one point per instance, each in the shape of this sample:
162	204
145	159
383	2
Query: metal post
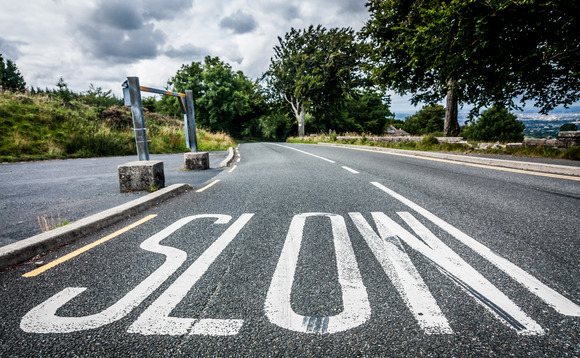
191	132
186	127
138	118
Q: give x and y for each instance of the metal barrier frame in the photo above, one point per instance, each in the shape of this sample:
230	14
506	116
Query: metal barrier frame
132	97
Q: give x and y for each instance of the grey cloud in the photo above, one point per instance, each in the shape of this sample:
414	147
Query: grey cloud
291	12
123	46
162	10
123	32
239	22
186	51
237	59
10	49
119	15
352	6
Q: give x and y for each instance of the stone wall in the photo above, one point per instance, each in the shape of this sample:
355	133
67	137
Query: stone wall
565	140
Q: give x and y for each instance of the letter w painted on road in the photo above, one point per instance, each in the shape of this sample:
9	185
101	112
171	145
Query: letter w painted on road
43	318
413	290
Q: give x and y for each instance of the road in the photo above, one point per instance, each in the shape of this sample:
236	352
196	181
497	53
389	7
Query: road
73	189
303	250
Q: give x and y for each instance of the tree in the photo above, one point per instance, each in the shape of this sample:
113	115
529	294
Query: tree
365	111
95	96
10	77
315	69
428	119
223	97
497	124
479	52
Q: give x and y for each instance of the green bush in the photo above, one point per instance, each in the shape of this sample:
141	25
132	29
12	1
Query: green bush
429	119
496	124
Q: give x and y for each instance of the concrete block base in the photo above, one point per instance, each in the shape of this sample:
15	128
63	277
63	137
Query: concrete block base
196	161
145	175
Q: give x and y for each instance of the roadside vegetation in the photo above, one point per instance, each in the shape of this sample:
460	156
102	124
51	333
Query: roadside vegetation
58	126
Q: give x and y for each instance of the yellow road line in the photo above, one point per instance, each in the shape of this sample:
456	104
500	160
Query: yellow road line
69	256
207	186
520	171
233	168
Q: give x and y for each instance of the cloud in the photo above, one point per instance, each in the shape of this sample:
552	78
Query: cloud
124	32
119	15
10	49
352	6
187	51
122	46
239	22
162	10
290	12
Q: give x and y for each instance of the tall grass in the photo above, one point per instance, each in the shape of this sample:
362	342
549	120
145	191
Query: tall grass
36	127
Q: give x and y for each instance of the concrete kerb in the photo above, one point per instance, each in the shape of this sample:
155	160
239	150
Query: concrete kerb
25	249
530	166
226	162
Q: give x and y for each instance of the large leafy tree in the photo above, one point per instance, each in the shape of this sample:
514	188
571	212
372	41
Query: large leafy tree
10	77
223	98
315	69
479	52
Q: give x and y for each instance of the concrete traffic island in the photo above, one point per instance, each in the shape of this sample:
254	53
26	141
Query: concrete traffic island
196	161
145	175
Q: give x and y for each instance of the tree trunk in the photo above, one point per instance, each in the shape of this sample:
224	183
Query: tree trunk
299	110
451	126
300	118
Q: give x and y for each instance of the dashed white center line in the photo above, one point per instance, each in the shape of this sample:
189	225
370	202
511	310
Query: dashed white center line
350	170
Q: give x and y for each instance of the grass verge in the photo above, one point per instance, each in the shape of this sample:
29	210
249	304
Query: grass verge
37	127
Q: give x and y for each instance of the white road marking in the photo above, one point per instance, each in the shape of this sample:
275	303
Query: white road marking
43	318
350	170
354	294
155	319
301	151
398	266
560	303
464	275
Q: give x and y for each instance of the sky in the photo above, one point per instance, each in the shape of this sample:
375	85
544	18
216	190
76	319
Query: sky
104	41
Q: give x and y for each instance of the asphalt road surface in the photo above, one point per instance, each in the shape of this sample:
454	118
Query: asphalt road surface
315	251
73	189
